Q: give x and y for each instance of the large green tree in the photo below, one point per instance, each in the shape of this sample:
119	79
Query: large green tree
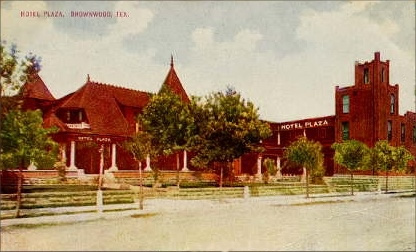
19	142
24	140
308	154
389	158
351	154
227	126
167	119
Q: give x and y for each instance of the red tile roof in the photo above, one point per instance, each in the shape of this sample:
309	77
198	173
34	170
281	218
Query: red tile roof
102	104
172	81
37	89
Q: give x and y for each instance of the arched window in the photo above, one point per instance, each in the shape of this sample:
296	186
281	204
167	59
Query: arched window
389	130
402	132
392	102
366	76
345	130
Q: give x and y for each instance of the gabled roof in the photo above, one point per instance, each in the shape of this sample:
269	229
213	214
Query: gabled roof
173	83
102	104
36	89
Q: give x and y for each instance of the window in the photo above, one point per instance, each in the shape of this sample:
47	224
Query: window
80	116
345	104
366	77
392	102
382	75
345	130
402	132
389	130
68	116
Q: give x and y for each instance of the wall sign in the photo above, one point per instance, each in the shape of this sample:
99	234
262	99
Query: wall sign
306	124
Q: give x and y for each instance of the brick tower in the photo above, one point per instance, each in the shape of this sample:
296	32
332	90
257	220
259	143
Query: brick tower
369	110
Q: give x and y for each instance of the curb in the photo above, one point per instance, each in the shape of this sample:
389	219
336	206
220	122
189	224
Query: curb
72	218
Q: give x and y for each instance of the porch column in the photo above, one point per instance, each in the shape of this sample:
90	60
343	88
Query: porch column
63	153
279	170
185	161
32	166
147	168
278	138
72	157
259	158
113	158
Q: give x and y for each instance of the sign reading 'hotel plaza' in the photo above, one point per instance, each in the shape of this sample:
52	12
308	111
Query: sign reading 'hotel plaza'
306	124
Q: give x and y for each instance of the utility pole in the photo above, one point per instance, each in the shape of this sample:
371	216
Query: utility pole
100	181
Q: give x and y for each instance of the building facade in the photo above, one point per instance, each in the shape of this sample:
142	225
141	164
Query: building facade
98	118
105	115
367	111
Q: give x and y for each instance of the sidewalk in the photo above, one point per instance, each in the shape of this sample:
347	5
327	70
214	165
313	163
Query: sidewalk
154	206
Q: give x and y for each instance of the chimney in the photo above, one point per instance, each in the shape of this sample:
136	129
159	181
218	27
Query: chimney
377	56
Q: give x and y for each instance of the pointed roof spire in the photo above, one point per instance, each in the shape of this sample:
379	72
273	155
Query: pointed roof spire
173	83
36	88
88	78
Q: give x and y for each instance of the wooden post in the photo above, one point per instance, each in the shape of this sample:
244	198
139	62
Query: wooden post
100	181
141	197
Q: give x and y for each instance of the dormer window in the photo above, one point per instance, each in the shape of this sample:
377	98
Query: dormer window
68	116
72	115
80	118
366	76
74	118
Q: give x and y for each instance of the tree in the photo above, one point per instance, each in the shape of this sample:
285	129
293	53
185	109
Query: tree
167	119
227	126
140	145
14	72
389	158
308	154
24	140
351	154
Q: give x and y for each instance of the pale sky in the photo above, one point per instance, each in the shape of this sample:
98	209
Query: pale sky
284	56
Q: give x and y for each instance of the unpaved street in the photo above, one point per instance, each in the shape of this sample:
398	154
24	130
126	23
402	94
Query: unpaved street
384	224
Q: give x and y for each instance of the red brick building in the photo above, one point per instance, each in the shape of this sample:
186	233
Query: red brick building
368	111
101	114
97	115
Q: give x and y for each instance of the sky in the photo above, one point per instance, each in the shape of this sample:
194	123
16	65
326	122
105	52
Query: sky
284	56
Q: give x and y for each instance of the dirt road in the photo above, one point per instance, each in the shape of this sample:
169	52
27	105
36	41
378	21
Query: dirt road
386	224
